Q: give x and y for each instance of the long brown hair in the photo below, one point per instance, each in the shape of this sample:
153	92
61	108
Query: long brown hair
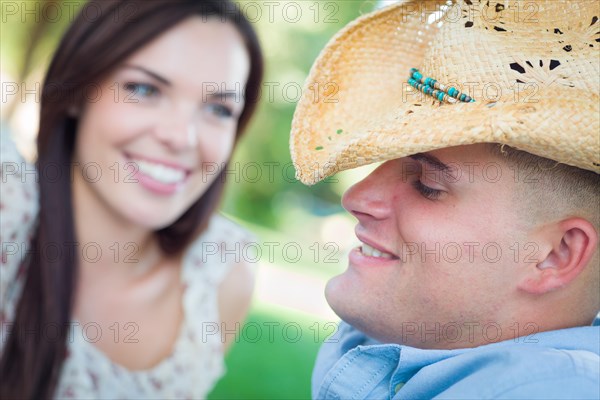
30	365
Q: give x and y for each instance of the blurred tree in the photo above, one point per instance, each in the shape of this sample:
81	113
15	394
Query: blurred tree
30	31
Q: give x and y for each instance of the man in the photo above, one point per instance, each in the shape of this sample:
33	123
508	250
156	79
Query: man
478	274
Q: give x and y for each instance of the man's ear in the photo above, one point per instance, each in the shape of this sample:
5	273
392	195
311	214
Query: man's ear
568	247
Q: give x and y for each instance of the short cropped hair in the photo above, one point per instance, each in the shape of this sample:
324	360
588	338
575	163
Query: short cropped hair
558	190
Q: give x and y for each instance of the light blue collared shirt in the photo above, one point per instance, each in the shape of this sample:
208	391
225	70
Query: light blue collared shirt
561	364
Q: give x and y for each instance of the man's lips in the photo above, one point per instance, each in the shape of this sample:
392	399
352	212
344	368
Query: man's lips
373	249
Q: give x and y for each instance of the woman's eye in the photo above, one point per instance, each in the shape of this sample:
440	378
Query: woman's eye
220	110
426	191
142	90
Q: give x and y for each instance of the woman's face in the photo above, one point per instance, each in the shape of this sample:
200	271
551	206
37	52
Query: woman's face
159	129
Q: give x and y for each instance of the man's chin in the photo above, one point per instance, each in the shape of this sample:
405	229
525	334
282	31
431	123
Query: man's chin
338	296
347	306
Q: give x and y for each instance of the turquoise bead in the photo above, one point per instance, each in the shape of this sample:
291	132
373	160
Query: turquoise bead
430	86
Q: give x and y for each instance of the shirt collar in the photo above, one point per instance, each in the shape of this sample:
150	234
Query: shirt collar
349	346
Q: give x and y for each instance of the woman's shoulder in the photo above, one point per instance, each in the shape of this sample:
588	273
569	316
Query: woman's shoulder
219	272
19	178
18	215
19	201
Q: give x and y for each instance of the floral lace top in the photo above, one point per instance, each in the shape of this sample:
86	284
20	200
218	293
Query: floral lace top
196	362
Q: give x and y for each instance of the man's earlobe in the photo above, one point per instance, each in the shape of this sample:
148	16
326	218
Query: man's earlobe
572	244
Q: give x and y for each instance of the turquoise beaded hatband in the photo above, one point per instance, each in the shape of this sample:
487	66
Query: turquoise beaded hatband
435	89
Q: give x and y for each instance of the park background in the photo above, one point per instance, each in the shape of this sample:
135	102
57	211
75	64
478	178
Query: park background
303	234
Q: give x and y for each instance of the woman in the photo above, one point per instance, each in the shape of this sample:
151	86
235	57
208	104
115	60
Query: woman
118	295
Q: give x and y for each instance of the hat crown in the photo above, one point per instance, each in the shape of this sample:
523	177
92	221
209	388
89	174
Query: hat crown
511	49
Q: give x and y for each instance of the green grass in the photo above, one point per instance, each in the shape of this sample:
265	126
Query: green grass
263	367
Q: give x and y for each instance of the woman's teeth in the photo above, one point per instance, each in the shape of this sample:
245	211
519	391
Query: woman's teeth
160	172
371	252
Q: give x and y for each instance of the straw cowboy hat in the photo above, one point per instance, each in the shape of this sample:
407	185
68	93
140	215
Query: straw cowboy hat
531	67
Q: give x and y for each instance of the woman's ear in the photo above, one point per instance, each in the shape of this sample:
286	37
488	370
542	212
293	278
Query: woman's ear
570	245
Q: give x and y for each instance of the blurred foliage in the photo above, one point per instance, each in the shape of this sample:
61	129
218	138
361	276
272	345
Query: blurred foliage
290	49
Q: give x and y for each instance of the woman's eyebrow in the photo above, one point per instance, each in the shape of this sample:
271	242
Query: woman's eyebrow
150	73
224	96
430	160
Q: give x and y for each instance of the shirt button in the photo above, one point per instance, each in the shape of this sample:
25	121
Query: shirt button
398	387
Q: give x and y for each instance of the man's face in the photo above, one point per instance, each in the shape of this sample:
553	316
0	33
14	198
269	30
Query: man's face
442	246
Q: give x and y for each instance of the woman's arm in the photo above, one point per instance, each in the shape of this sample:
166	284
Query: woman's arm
235	295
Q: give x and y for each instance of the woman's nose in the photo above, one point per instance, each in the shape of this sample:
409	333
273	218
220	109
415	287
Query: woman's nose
177	131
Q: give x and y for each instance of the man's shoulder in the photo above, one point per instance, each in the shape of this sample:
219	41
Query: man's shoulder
558	364
535	357
526	372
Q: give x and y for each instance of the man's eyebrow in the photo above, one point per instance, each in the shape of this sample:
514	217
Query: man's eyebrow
431	161
151	73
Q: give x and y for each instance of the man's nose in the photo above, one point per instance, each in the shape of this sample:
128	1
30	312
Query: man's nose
371	198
